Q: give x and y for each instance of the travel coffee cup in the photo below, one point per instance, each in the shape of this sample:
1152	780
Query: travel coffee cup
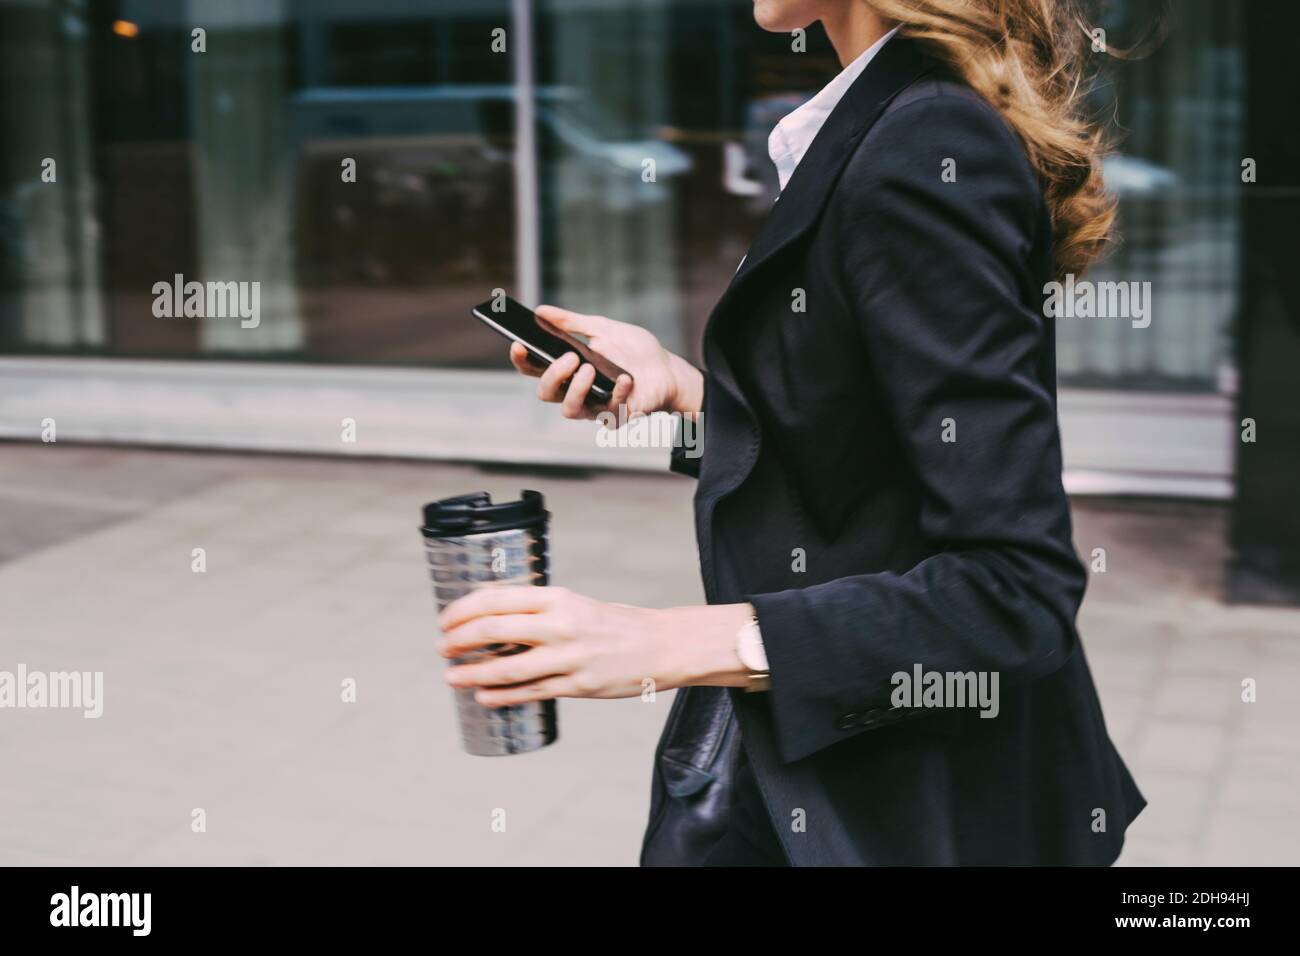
472	543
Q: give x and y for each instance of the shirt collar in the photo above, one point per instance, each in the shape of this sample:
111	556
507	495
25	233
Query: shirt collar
795	133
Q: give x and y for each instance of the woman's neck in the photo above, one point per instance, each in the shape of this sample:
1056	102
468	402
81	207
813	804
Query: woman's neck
852	28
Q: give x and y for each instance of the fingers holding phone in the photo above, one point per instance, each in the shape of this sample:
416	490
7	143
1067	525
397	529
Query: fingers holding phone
555	381
590	363
524	361
568	382
574	404
644	375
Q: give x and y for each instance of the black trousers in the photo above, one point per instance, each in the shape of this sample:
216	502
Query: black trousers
750	839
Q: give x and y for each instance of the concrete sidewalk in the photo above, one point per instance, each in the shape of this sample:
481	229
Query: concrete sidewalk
223	689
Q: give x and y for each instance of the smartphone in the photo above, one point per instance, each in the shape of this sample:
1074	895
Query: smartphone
545	342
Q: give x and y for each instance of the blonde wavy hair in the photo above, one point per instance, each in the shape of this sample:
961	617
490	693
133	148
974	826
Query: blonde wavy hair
1033	61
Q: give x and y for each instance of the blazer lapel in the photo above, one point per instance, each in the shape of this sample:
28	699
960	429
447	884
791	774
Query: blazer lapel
732	456
899	62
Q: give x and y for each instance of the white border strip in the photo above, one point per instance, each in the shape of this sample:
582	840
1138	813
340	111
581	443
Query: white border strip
1115	442
403	413
1147	443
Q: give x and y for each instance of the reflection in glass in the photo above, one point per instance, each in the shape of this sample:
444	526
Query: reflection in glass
651	124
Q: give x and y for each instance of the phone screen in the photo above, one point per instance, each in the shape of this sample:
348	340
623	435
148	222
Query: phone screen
545	341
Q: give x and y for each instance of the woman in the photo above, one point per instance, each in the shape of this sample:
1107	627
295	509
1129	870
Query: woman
879	508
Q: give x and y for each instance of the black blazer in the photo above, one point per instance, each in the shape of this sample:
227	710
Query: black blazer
829	497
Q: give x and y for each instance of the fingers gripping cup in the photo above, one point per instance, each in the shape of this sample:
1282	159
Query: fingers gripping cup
471	543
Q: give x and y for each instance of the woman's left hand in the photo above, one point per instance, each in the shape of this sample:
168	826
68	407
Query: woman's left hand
580	647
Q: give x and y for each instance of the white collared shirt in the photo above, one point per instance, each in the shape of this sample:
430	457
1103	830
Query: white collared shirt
795	133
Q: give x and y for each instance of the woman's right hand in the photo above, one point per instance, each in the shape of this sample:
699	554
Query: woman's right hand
660	381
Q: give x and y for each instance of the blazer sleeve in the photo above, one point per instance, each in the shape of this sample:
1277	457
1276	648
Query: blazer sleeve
936	275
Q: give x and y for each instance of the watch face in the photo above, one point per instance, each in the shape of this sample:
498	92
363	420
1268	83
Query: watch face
749	648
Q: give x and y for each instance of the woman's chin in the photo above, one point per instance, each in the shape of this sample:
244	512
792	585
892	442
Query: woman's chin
777	16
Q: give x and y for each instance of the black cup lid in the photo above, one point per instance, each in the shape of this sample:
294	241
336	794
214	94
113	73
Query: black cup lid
475	513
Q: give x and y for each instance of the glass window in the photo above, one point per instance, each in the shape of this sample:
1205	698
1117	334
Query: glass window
1178	123
651	123
232	164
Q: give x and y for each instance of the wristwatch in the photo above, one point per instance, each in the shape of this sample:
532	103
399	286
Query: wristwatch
749	648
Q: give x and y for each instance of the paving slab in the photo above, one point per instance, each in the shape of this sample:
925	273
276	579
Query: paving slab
223	689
